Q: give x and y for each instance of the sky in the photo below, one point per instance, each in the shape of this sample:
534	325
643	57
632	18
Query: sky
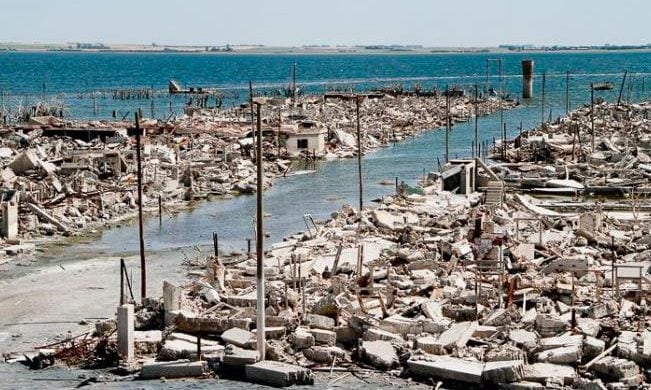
432	23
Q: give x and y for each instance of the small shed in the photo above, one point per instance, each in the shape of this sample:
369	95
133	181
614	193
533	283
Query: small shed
459	177
309	137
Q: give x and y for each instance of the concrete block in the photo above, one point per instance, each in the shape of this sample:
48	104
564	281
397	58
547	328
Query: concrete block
172	298
436	326
374	334
272	332
432	309
523	385
324	337
238	357
548	325
301	338
503	371
445	367
458	335
278	374
176	369
592	347
379	354
184	346
25	161
324	355
239	337
320	322
614	369
126	336
564	340
429	344
543	372
562	355
523	338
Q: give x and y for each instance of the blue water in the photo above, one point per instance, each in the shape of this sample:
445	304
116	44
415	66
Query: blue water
70	77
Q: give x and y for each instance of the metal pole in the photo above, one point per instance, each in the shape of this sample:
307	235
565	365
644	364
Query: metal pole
621	88
542	117
143	269
260	320
592	113
447	123
359	156
567	93
477	118
252	116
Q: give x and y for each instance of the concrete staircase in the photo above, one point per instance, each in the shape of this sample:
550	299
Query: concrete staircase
494	192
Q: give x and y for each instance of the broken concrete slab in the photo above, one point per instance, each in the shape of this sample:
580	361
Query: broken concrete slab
324	337
239	337
301	338
278	374
457	336
184	346
380	354
614	369
238	357
445	367
542	372
319	322
503	371
562	355
175	369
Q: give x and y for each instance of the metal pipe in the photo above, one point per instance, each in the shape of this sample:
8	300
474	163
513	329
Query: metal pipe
260	319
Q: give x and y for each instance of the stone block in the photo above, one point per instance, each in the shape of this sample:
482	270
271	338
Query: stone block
324	337
379	354
175	369
126	335
319	322
278	374
239	337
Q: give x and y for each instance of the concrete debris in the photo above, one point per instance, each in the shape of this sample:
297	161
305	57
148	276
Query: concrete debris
528	274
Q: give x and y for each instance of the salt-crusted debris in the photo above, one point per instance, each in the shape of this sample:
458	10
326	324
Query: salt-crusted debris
453	285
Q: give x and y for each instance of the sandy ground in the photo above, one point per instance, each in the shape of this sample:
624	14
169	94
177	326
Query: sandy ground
51	300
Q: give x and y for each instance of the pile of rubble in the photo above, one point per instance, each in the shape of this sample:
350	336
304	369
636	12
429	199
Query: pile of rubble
61	177
458	287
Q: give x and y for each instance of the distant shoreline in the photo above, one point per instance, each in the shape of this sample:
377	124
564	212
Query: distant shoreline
268	50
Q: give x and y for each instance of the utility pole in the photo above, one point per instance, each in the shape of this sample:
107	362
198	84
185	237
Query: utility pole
252	115
592	113
294	82
621	88
260	315
567	93
359	155
137	131
542	117
447	124
476	119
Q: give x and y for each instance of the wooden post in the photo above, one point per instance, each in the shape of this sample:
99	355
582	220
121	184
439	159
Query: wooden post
215	244
121	282
160	209
359	155
260	320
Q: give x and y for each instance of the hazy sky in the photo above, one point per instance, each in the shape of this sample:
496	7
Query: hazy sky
305	22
